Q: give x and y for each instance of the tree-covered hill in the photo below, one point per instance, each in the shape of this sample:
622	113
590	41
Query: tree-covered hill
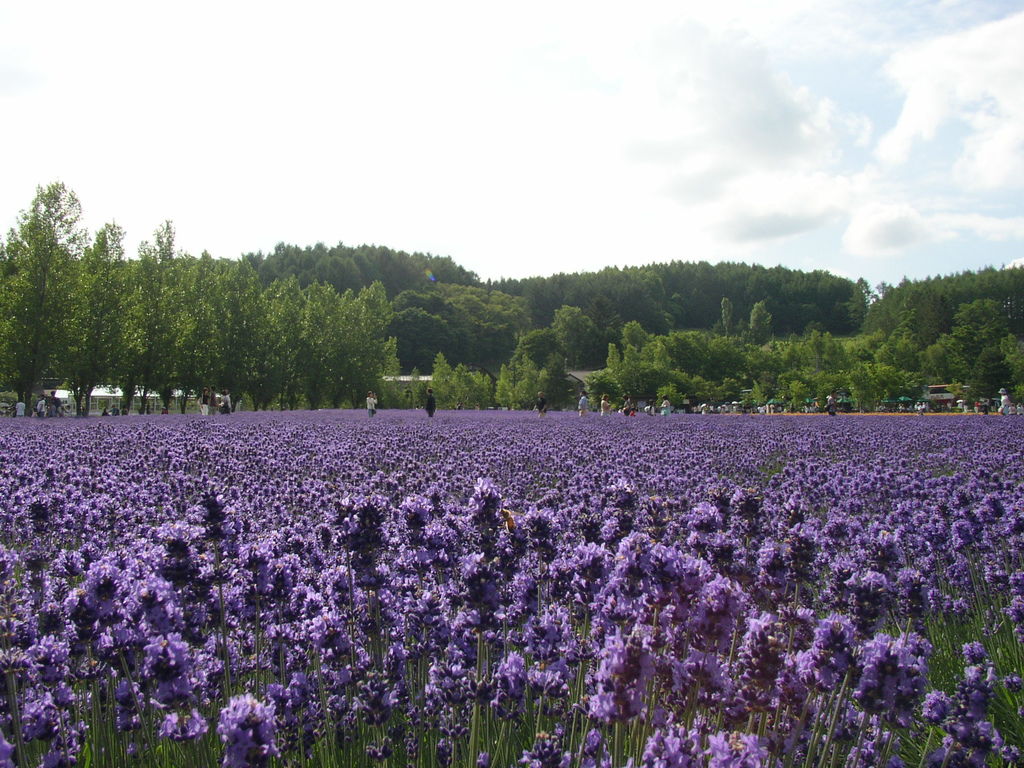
928	307
351	268
688	295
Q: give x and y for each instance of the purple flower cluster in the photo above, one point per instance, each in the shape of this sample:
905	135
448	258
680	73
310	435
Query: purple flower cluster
488	588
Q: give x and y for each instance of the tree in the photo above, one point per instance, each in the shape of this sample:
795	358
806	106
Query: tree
634	335
199	334
92	333
989	372
319	332
760	323
239	327
150	316
977	326
518	383
726	319
367	353
460	386
278	374
578	337
442	375
38	274
539	345
421	335
600	383
554	383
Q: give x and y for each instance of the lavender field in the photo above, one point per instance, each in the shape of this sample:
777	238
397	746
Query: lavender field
498	589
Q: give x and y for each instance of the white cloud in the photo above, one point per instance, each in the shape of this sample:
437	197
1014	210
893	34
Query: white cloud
975	78
748	154
885	229
565	136
987	227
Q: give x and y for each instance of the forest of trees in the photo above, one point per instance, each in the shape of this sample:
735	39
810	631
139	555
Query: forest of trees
318	326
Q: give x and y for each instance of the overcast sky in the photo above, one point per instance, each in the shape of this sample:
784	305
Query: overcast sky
874	139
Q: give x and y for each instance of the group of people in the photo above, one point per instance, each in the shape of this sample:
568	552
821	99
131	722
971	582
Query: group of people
215	402
47	406
628	407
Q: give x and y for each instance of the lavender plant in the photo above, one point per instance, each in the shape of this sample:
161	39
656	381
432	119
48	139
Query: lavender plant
486	590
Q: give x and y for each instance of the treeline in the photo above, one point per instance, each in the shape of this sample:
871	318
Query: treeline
76	310
320	326
976	358
440	307
688	295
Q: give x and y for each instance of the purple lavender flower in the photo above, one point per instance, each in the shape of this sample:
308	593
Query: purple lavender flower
831	654
167	662
510	686
894	674
177	728
975	653
737	750
546	753
247	728
6	752
375	699
49	658
760	660
624	669
673	747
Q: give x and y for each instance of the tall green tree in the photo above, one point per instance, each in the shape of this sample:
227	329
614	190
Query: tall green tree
518	383
92	332
319	333
978	326
578	337
197	348
279	374
240	325
726	318
150	319
760	323
367	352
38	273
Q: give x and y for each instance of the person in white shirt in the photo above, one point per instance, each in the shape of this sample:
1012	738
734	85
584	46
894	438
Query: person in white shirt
1005	406
371	403
583	405
19	408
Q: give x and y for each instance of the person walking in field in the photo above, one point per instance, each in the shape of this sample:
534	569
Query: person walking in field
584	404
606	405
371	403
204	401
1005	405
225	401
431	403
541	406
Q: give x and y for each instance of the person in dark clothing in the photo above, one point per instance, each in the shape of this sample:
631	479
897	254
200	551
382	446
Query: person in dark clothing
431	403
542	405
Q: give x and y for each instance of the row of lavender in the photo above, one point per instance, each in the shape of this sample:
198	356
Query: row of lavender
483	590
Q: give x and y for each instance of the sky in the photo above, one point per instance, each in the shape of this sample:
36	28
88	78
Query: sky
873	139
